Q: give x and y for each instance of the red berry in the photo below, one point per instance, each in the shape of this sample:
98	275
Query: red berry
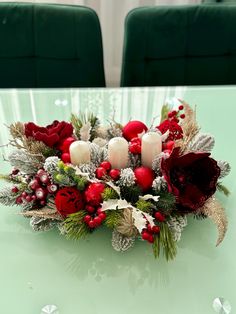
145	235
28	198
34	184
65	157
159	216
40	172
182	116
174	113
44	178
155	229
135	148
87	219
19	200
52	188
33	197
97	220
115	174
106	165
170	115
102	216
40	193
91	224
100	172
181	107
150	239
24	194
15	189
99	210
43	203
90	209
149	228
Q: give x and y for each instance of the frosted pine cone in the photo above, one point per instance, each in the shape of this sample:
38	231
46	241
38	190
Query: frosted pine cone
121	243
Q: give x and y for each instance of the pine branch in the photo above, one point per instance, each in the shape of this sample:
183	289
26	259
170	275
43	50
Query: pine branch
166	201
131	193
7	197
108	194
145	206
113	218
75	227
82	119
223	189
167	243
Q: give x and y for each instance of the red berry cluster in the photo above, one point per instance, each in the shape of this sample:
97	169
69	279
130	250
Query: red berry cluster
104	170
149	233
40	186
135	145
95	217
171	125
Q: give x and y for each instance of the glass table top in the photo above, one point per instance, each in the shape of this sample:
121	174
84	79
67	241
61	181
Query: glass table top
88	276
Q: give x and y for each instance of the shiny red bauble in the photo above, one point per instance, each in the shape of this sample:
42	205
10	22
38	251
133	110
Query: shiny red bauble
68	201
144	177
65	157
106	165
114	174
100	172
64	147
93	193
133	129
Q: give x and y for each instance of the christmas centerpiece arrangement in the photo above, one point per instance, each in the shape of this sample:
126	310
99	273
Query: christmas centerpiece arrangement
140	181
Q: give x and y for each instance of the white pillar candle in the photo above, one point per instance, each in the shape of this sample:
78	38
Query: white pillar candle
151	148
118	149
79	153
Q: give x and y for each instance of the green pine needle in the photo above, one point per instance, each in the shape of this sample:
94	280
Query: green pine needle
131	193
113	218
75	227
223	189
109	193
83	118
164	242
166	201
144	206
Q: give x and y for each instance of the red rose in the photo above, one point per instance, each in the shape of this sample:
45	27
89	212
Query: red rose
68	201
52	135
191	177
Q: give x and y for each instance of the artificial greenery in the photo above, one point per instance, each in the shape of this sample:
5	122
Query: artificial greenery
109	193
145	206
79	120
223	189
9	178
166	201
131	193
164	242
75	226
164	112
113	218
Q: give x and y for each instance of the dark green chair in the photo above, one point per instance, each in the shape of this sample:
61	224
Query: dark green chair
180	45
45	45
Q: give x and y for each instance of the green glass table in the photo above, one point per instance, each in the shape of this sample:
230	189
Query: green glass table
89	277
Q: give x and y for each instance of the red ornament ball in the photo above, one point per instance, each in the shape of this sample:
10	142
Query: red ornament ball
68	201
144	177
133	129
65	157
100	172
93	193
64	147
115	174
106	165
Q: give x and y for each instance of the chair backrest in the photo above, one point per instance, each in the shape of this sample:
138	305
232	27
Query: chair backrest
180	45
47	45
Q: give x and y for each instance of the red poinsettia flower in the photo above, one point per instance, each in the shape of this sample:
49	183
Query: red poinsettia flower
52	135
191	177
175	130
